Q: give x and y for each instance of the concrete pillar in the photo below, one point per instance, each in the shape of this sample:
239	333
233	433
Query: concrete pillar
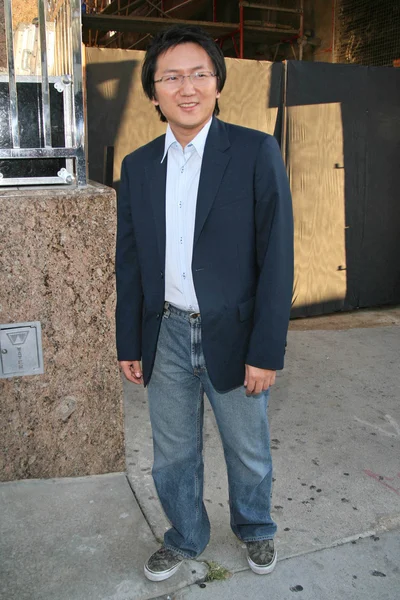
57	266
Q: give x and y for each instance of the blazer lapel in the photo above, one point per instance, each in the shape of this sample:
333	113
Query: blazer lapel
215	160
156	173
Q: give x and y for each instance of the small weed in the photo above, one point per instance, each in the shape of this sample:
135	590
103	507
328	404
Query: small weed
216	572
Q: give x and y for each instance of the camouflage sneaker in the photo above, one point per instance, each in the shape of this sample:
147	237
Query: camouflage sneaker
162	564
261	556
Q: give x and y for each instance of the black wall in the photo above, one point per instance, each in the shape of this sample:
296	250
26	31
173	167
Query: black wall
369	99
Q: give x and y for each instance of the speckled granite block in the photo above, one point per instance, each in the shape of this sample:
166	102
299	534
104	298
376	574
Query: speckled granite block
56	264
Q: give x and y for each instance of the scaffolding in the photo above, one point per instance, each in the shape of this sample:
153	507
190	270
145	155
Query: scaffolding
106	22
272	24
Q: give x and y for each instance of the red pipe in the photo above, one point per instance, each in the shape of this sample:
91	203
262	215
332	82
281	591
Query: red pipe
228	35
333	27
331	49
241	30
235	45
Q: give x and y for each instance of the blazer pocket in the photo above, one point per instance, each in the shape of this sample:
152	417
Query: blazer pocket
246	309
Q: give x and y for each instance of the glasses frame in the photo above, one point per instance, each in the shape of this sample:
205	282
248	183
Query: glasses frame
181	78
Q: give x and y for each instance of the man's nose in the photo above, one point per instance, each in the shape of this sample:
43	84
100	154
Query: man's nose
187	87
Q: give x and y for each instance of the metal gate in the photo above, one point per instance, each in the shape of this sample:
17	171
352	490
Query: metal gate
44	61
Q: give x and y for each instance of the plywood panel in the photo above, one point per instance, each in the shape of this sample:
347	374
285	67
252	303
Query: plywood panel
346	241
315	166
252	94
120	115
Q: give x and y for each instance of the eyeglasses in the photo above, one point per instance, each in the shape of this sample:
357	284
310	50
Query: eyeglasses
198	79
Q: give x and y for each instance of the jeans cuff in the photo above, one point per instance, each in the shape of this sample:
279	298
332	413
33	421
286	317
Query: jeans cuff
257	539
177	551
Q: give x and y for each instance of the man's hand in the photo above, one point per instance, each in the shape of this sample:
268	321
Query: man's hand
258	380
132	370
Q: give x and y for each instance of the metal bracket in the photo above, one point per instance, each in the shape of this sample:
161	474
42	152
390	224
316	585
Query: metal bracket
62	83
65	175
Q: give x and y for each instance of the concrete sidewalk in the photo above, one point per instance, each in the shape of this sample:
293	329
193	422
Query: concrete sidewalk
367	569
81	538
86	539
335	429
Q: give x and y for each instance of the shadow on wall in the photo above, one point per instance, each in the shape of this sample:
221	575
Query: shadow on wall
108	91
343	127
120	116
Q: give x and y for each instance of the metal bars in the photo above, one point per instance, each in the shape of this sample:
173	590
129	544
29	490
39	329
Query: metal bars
241	30
294	10
12	83
46	122
265	7
301	33
58	31
63	25
78	90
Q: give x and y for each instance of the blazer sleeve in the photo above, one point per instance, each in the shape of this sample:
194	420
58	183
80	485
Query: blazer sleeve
274	247
129	285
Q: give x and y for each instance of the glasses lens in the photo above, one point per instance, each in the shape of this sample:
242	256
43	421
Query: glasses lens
174	81
201	78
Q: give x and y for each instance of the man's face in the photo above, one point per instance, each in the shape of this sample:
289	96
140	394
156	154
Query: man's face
187	107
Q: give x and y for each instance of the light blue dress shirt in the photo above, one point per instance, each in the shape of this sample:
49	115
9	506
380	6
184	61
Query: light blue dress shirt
183	175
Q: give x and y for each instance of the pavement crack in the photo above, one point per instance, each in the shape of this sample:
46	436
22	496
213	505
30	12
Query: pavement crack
141	509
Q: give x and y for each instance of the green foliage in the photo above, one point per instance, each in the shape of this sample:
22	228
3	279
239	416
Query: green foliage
216	572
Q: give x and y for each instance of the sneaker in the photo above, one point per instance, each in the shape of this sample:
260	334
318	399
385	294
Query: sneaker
261	556
162	564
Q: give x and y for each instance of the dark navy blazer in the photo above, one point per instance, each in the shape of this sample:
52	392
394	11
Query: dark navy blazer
242	254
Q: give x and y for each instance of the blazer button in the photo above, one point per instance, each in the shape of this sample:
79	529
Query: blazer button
161	275
158	315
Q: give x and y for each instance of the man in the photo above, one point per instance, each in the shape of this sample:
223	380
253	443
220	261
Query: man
204	270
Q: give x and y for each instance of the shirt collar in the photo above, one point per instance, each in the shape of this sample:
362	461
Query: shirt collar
198	142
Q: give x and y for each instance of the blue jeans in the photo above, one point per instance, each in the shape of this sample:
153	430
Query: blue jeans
176	390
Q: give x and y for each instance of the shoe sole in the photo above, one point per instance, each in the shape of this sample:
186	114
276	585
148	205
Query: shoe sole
152	576
262	570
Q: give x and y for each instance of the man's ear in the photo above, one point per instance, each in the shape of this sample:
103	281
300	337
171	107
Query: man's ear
155	101
218	94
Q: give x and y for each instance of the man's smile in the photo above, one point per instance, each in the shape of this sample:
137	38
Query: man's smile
188	104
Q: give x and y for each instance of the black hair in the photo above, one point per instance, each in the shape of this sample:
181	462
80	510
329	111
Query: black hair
172	37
